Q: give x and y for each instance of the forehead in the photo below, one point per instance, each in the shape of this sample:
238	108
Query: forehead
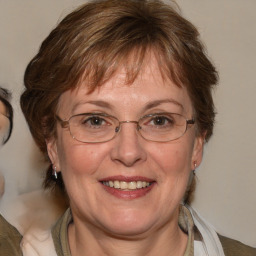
149	86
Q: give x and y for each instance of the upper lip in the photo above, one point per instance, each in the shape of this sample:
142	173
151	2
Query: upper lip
127	178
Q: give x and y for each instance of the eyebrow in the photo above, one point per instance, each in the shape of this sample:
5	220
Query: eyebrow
98	103
148	106
156	103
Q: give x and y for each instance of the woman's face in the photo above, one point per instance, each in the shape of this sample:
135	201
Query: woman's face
4	123
128	157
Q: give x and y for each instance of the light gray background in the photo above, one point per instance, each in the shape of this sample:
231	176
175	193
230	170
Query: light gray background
226	179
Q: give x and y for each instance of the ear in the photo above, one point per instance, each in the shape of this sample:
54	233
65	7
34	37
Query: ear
197	153
53	152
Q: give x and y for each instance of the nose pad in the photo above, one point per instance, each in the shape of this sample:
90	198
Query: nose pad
118	128
138	127
128	149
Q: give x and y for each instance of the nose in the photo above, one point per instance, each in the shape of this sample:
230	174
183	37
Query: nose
128	148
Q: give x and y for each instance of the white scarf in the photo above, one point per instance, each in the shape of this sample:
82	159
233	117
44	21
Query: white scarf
40	243
211	243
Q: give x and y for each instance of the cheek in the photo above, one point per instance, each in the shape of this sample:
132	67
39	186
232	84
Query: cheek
172	164
173	159
80	159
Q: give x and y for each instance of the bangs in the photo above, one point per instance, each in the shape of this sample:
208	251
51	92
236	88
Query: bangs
132	60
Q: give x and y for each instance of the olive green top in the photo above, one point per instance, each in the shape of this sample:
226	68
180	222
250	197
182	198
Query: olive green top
235	248
10	239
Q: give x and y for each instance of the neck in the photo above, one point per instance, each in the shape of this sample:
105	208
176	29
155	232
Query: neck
166	240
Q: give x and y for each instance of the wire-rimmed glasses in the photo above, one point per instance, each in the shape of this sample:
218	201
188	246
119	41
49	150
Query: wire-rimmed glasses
101	127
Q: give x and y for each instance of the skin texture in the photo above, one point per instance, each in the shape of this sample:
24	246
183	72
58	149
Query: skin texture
147	225
4	123
4	126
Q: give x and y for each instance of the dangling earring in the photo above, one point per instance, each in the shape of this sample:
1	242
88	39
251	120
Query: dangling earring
195	165
54	172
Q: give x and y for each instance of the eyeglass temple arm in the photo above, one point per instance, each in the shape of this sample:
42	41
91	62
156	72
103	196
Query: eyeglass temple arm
191	121
64	124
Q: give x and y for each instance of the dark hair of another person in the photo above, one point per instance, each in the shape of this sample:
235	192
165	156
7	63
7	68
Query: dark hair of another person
91	44
5	97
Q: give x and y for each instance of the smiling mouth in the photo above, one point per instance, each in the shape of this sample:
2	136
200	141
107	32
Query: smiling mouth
127	186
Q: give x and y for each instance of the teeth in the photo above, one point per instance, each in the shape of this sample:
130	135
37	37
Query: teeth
123	185
139	184
132	185
116	184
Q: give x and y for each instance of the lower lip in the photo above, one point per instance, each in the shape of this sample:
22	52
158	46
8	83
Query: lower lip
132	194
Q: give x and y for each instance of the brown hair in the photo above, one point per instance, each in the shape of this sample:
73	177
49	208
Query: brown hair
93	41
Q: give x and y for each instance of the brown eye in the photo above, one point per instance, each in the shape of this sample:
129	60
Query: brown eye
160	120
92	121
95	120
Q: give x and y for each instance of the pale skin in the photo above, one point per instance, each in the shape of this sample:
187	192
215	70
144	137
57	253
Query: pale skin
103	223
4	122
4	126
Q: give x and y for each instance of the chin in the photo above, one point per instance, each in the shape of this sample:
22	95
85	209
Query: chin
132	224
132	231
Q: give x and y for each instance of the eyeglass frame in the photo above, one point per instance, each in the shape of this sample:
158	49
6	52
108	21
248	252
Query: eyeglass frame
66	124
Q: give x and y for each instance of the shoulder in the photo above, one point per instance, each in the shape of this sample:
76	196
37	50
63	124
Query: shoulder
10	239
60	228
235	248
60	234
